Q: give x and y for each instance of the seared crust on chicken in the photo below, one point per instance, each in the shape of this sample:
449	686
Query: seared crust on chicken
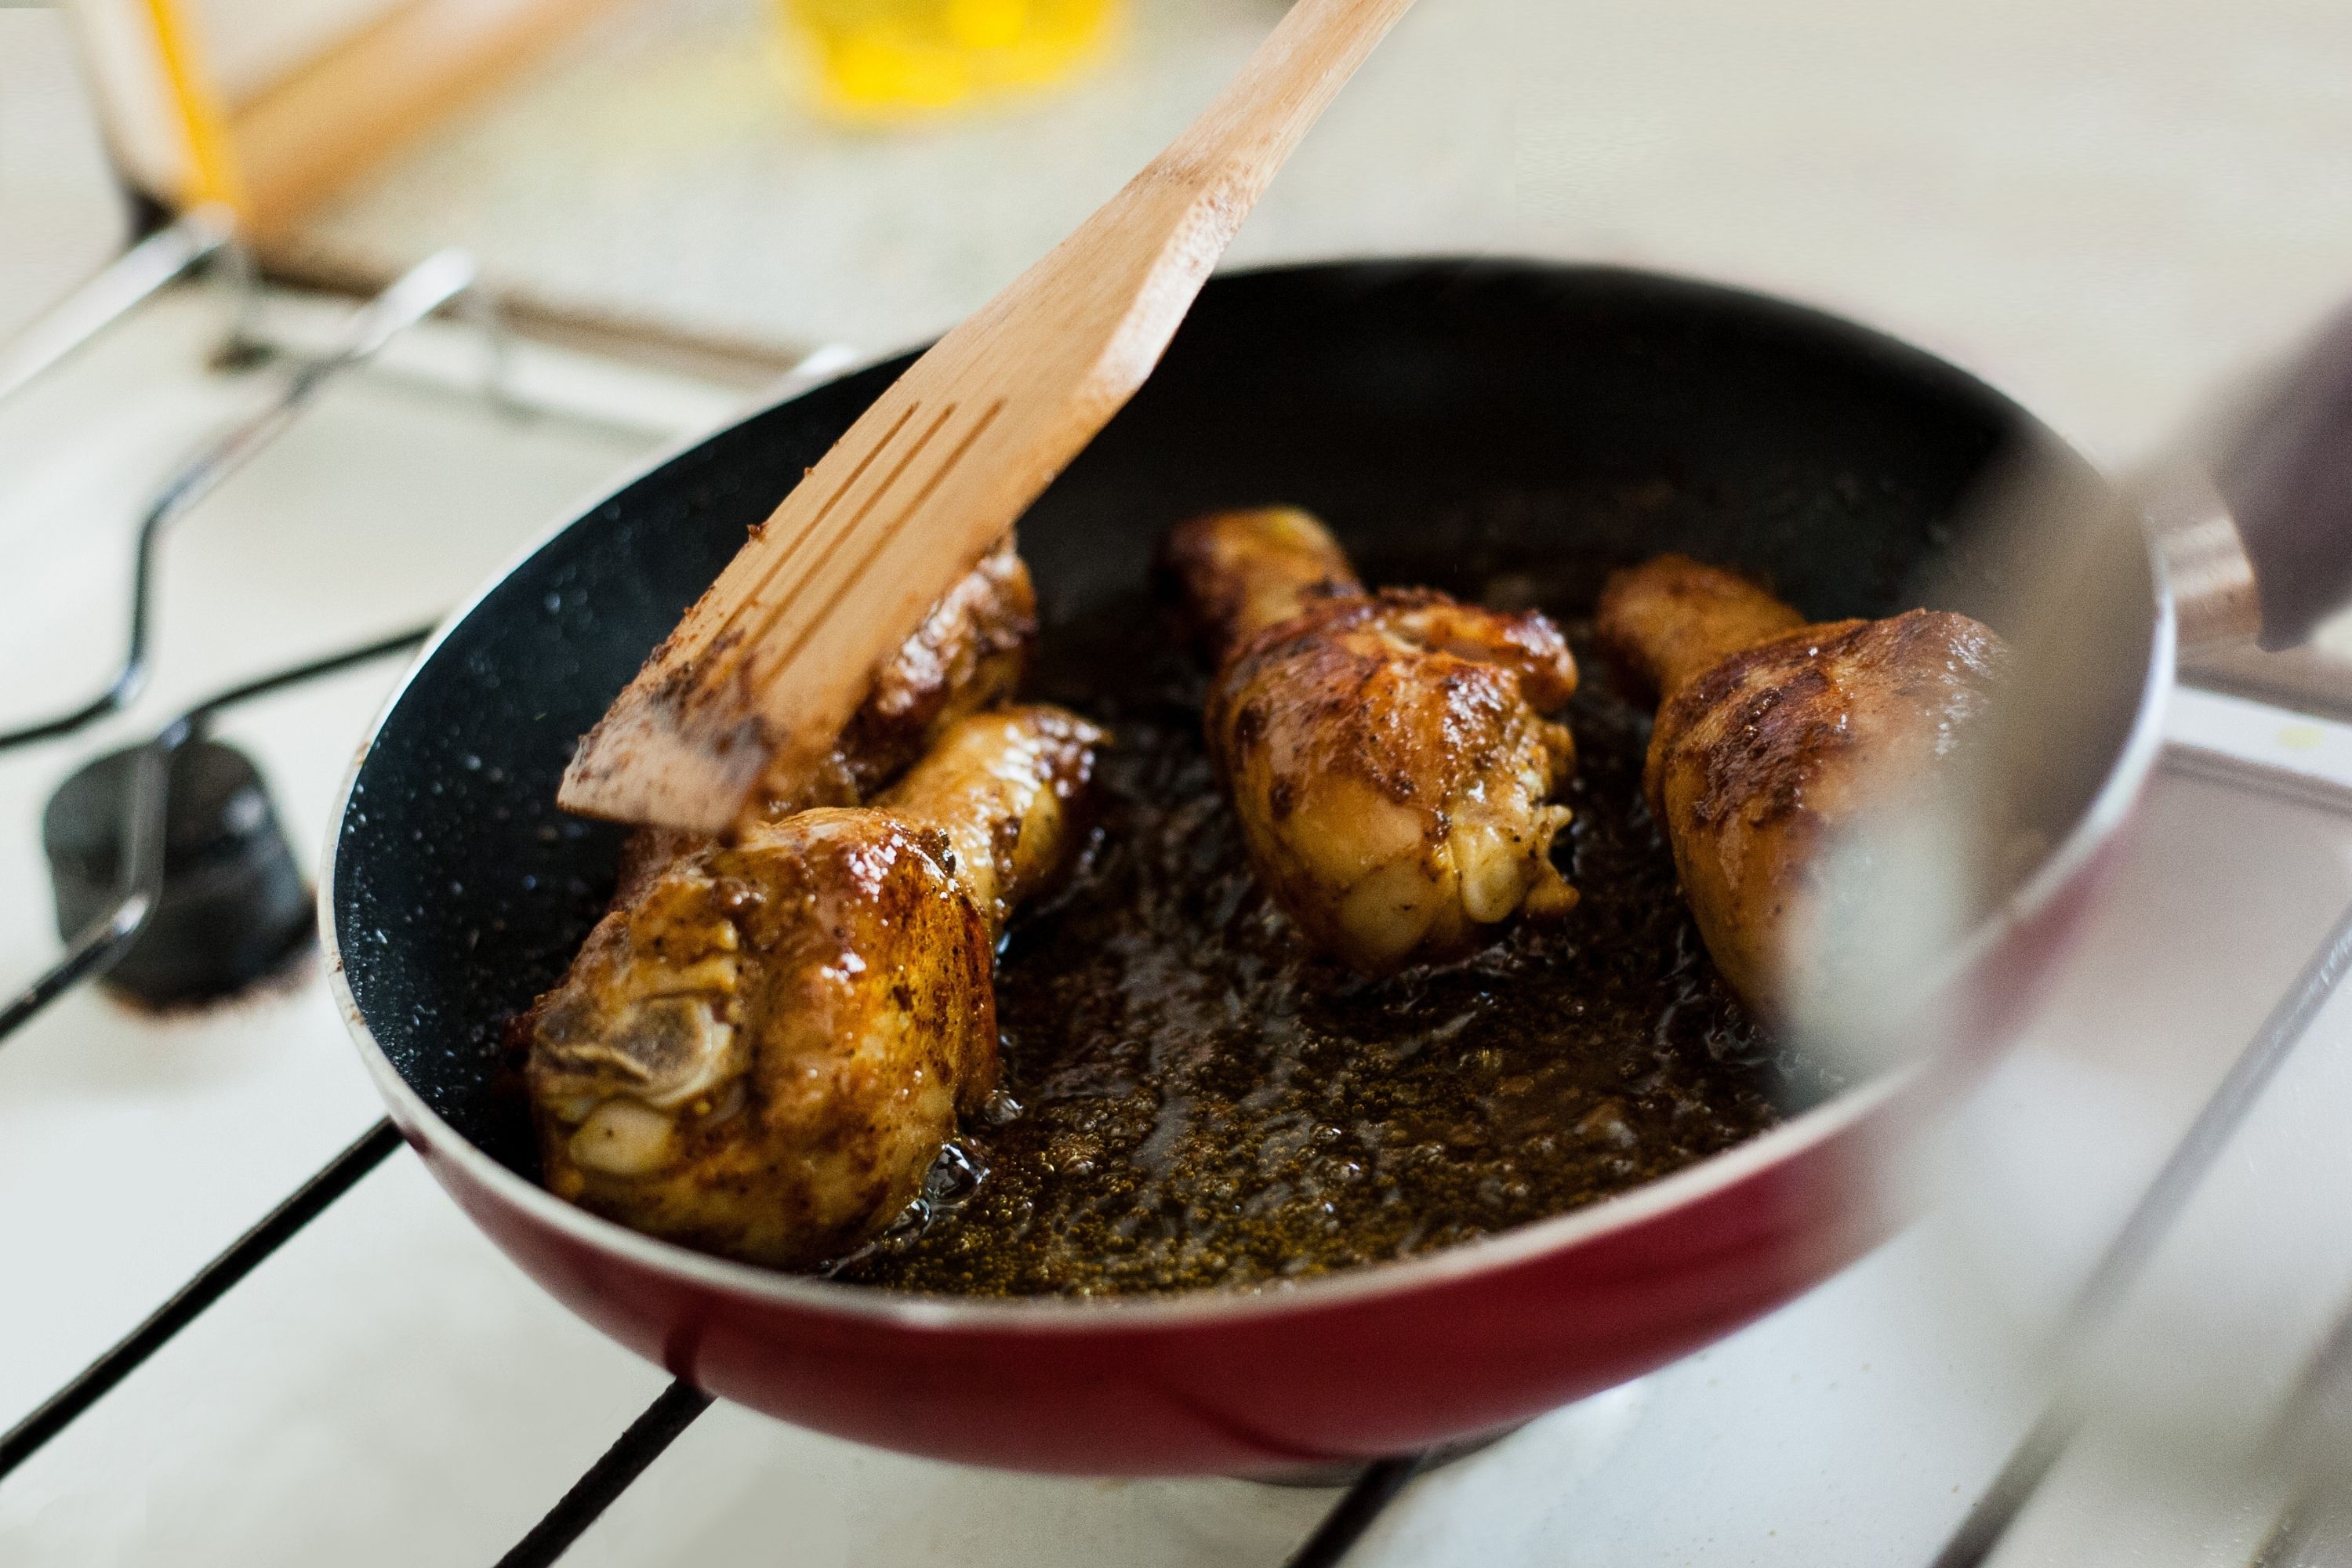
1770	740
968	653
1387	754
761	1053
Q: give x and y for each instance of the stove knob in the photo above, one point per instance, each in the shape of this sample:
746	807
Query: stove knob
234	908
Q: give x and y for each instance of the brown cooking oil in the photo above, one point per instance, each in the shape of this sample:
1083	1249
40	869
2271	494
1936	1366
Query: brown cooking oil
1193	1101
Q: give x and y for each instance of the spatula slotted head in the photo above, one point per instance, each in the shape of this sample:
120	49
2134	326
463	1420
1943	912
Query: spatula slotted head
771	663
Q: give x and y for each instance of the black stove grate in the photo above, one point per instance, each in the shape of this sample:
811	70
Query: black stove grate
672	1413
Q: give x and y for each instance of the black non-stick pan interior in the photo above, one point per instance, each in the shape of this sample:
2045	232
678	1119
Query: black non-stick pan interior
1449	419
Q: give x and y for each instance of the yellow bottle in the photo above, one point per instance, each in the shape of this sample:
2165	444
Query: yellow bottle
890	59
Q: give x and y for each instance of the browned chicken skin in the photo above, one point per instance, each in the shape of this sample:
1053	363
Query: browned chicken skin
967	655
761	1052
1771	733
1387	754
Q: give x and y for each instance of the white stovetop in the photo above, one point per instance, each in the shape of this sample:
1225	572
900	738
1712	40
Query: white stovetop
388	1390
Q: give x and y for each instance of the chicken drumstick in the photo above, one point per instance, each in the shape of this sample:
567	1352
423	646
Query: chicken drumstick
760	1052
1387	754
1771	733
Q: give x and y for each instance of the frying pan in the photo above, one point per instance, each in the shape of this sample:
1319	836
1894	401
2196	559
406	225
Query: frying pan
1449	418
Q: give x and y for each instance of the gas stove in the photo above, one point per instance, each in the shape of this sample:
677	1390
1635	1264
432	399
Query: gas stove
245	1328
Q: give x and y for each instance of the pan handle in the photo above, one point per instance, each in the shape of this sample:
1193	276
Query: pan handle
2287	482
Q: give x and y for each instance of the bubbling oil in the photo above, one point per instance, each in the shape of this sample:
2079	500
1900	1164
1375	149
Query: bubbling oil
1191	1100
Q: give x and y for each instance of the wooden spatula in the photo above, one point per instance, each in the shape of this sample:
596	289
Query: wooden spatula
771	661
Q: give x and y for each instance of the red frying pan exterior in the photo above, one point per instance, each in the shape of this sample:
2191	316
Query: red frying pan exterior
1373	1362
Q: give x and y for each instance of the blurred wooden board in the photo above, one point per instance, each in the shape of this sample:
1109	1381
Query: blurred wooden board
667	170
273	105
312	131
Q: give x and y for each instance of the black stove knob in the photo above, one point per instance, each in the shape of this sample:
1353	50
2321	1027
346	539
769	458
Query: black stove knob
234	908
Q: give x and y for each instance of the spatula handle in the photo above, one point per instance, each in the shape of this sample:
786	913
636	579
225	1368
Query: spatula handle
1243	137
2287	482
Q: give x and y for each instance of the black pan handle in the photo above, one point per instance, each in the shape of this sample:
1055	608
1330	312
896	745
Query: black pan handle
2287	482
